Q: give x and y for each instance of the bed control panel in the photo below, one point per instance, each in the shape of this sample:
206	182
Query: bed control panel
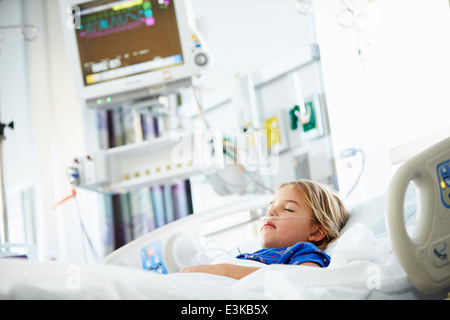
443	172
424	252
151	256
440	251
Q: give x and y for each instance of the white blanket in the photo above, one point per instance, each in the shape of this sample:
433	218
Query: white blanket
362	266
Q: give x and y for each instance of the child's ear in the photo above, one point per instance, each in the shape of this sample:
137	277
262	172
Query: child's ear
317	235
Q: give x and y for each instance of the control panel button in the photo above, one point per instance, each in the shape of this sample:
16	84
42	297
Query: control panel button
440	252
201	59
443	172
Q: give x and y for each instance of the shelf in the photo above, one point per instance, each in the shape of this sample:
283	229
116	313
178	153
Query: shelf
153	162
148	146
157	178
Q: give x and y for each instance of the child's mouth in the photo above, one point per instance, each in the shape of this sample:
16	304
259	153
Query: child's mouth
268	224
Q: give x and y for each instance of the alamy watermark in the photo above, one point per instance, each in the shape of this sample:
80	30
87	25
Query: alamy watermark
374	277
73	281
230	147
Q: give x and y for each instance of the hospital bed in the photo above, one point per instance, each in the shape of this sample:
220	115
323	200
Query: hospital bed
395	246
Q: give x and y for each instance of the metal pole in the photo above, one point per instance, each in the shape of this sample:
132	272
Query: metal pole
24	27
4	237
5	234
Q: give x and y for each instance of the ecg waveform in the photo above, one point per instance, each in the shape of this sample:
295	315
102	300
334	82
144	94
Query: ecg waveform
132	15
117	23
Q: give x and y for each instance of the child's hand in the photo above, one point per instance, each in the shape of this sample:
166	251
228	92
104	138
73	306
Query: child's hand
204	268
223	269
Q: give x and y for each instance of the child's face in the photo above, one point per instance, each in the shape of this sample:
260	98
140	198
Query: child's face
287	232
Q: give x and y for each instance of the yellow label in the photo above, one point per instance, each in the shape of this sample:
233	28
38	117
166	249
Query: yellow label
128	4
273	131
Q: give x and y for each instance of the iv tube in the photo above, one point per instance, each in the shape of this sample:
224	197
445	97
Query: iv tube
282	218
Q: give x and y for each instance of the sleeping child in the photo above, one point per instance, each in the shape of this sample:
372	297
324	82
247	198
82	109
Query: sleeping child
303	218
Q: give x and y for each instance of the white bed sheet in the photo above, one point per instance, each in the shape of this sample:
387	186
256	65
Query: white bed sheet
55	280
362	266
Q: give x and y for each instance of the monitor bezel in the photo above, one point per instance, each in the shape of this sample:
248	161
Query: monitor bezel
189	39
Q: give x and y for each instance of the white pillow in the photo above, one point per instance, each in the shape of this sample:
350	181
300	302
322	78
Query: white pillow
372	213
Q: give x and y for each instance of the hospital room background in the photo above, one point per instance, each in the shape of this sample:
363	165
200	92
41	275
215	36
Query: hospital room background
352	89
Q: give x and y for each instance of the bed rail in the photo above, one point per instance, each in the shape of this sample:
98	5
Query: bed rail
175	244
425	254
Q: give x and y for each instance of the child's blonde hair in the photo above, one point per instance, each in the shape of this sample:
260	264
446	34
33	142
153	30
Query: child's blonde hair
328	209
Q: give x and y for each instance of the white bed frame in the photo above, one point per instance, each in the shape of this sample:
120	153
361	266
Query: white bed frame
180	241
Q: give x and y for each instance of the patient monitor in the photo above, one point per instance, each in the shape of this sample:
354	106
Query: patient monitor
128	49
425	254
129	53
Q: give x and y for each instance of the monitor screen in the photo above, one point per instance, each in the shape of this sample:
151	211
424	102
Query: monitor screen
125	49
122	38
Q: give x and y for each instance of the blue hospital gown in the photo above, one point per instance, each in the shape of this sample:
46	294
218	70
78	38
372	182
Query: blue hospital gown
298	253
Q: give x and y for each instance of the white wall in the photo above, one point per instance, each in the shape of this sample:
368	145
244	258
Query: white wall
58	136
19	167
243	37
412	67
397	93
14	97
63	134
44	135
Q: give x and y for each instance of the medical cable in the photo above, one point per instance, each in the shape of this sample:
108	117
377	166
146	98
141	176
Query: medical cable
83	228
201	112
304	7
202	258
352	152
283	218
233	153
254	177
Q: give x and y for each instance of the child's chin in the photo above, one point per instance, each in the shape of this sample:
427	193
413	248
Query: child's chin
267	243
